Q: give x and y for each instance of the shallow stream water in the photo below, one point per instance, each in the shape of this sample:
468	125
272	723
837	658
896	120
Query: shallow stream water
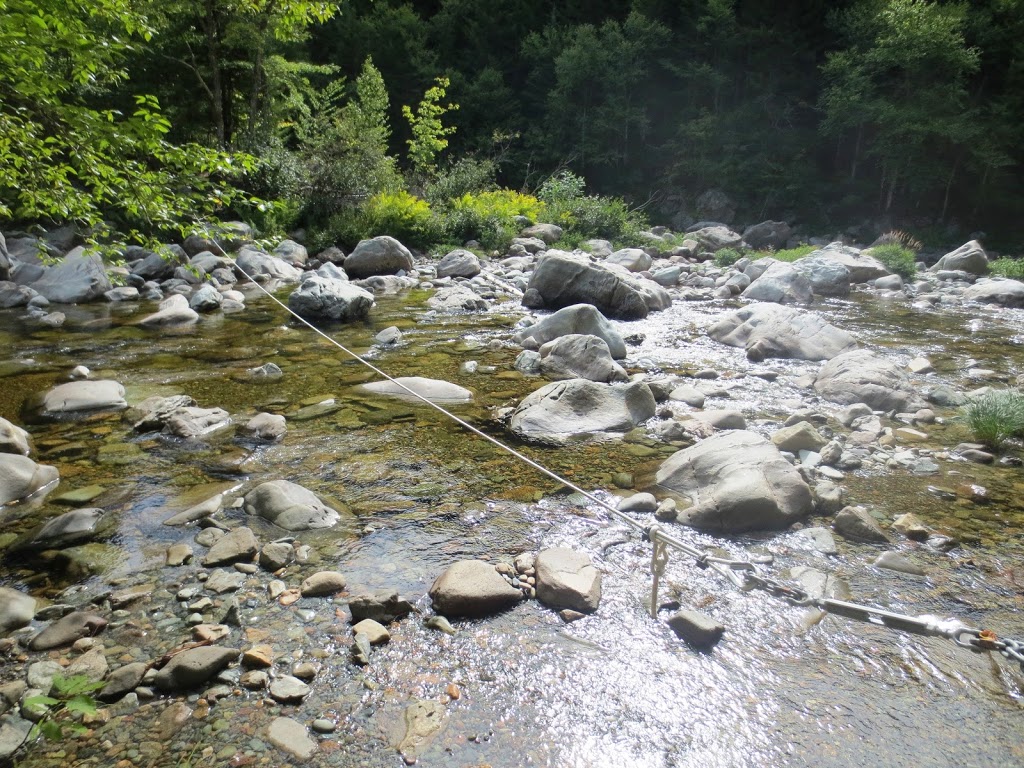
614	689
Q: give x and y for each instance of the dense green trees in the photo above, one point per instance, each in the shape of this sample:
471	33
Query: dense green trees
822	111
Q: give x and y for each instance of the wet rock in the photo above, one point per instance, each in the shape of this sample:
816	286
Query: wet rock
91	665
322	298
721	418
81	277
639	502
361	649
153	412
632	259
911	526
799	437
13	733
1004	292
64	530
290	506
390	335
818	539
378	256
16	610
568	579
206	299
13	439
458	263
583	319
81	397
265	371
291	737
569	409
198	512
376	633
276	555
191	668
580	356
287	689
738	481
258	657
472	588
384	606
562	279
781	283
122	680
435	390
894	561
67	630
423	719
861	265
195	422
697	629
775	331
857	523
265	426
172	311
238	545
440	623
862	377
454	298
323	584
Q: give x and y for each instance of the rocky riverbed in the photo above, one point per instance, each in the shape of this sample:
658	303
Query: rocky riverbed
268	557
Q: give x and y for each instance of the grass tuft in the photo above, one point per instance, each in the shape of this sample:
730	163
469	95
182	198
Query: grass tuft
996	417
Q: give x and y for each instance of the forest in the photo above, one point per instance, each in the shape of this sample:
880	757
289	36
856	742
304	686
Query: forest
444	119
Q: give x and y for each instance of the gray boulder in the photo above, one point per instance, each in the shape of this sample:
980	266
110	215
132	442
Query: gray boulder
577	356
860	376
239	545
567	579
632	259
738	481
193	667
160	265
566	410
378	256
574	319
14	295
969	257
459	297
472	588
857	523
190	422
435	390
174	310
322	298
801	436
772	330
206	299
715	238
549	233
767	234
459	263
780	283
13	439
16	610
20	477
292	507
602	249
5	260
292	253
265	426
826	276
384	606
83	396
79	278
250	263
562	279
862	266
1004	292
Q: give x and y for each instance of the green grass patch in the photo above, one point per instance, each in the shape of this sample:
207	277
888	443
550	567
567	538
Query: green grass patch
1007	268
897	259
996	417
726	257
787	254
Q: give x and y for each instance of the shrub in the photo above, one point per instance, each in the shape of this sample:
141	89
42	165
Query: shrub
466	176
403	216
587	216
896	259
787	254
1008	268
490	217
726	257
996	417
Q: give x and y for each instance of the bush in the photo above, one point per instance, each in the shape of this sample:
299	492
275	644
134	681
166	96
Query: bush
490	217
996	417
588	216
896	259
1008	268
466	176
788	254
726	257
403	216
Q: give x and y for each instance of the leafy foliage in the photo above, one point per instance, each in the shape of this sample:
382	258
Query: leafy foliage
996	417
1005	267
587	216
465	176
401	215
786	254
490	217
429	134
897	259
726	257
69	695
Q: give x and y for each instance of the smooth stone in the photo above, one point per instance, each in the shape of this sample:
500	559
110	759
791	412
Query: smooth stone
290	506
16	610
639	502
857	523
67	630
288	689
472	588
819	539
894	561
178	554
276	555
292	737
798	437
239	544
323	584
434	390
697	629
383	606
222	581
193	667
376	633
20	477
568	579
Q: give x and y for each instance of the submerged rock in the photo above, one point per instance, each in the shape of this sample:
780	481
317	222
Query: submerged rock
67	630
193	667
16	610
290	506
20	477
435	390
80	397
580	356
64	530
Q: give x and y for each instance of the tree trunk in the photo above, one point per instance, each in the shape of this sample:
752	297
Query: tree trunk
211	30
949	187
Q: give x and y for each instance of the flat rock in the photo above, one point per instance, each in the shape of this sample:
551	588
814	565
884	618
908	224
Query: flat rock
197	512
861	376
67	630
292	737
323	584
376	633
857	523
77	397
472	588
567	410
16	610
70	528
238	545
697	629
288	689
801	436
775	331
193	667
568	579
222	581
384	606
893	561
434	390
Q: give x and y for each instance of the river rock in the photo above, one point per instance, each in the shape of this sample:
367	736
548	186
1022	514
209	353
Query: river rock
14	295
721	418
562	279
772	330
123	680
191	422
174	310
549	233
472	588
378	256
861	266
72	527
292	737
239	545
567	579
375	632
768	234
860	376
323	584
638	502
580	356
250	263
632	259
222	581
276	555
16	610
1004	292
290	506
582	319
697	629
13	439
857	523
434	390
20	477
714	238
287	689
893	561
79	278
827	277
453	298
801	436
738	481
322	298
159	265
191	668
969	257
781	283
82	397
383	606
197	512
67	630
569	409
265	426
458	263
206	299
292	253
153	412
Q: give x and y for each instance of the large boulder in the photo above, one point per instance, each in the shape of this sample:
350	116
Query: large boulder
20	477
826	276
632	259
290	506
578	356
5	259
863	267
567	579
574	319
1004	292
472	588
717	237
969	257
14	295
562	279
251	263
378	256
79	278
738	481
80	397
780	283
773	330
566	410
434	390
549	233
459	263
292	253
323	298
767	234
13	439
860	376
458	297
